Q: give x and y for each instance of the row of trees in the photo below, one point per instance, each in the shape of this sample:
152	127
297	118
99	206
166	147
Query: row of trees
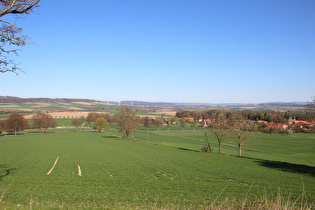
127	122
16	122
270	116
223	128
224	124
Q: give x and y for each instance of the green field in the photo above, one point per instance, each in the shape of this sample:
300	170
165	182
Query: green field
168	172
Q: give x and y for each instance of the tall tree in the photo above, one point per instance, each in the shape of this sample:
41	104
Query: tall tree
43	121
127	121
147	122
193	125
173	120
101	124
11	37
221	129
168	125
77	122
16	122
2	126
241	130
91	118
207	147
183	123
158	122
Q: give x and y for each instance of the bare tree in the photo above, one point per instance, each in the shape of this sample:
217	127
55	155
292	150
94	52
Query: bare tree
193	125
127	121
147	122
77	122
207	147
158	122
168	125
183	123
2	126
43	121
91	118
172	120
221	129
11	36
16	122
241	130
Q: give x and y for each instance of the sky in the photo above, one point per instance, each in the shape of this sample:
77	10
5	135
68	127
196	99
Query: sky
203	51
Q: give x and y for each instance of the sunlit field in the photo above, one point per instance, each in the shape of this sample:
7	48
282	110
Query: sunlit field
93	170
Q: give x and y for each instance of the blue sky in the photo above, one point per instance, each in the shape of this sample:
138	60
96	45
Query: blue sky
207	51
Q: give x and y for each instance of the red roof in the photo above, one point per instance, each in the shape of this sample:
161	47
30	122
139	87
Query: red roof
277	125
301	123
262	121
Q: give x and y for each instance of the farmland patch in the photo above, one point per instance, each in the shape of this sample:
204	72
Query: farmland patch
117	173
85	103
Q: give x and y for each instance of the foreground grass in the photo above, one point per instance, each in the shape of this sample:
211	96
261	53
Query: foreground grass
127	174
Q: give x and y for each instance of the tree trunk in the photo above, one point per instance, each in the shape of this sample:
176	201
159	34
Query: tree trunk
148	136
239	149
15	132
127	135
220	144
207	144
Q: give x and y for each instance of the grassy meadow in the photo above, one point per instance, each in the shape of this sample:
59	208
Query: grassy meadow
167	172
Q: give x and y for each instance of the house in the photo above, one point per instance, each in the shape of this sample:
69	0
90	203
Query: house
205	123
300	123
278	125
189	119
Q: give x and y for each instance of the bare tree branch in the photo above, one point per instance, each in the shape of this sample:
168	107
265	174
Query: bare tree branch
11	35
17	6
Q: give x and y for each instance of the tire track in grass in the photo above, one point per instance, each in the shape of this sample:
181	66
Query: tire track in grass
53	166
79	171
158	170
171	178
109	174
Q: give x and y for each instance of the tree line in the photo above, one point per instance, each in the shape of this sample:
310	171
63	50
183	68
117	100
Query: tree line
269	116
16	122
126	120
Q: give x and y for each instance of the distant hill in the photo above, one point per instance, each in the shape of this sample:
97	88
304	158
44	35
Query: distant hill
12	99
144	103
267	105
283	104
